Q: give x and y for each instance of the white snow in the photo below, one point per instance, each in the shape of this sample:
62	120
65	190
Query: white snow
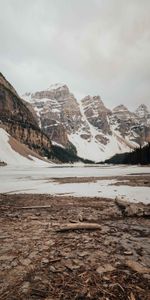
15	179
27	97
11	157
93	149
57	144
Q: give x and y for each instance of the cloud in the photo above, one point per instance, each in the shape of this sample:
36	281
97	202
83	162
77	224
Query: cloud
96	47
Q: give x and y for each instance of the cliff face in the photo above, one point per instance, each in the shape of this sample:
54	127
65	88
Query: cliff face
58	112
19	121
96	113
11	106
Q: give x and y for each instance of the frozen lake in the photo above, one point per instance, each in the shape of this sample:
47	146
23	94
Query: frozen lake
41	180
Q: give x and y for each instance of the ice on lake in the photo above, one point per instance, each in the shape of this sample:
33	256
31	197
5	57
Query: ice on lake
27	179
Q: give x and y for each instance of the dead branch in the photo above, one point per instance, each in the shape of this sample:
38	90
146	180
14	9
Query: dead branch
79	226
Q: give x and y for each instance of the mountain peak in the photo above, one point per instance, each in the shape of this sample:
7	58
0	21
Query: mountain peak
56	86
142	111
120	108
142	107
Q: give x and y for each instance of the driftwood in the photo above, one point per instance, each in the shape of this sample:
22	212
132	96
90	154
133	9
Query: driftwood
33	207
79	226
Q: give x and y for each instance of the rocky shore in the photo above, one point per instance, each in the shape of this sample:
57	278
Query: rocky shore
73	248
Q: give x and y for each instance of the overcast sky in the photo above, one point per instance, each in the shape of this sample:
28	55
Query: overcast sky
94	46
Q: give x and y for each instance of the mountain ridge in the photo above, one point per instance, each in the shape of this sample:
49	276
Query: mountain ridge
21	122
94	130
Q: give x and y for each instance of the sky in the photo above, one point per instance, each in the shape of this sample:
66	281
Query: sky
96	47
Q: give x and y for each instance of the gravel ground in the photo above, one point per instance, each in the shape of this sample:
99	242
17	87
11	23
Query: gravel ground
39	261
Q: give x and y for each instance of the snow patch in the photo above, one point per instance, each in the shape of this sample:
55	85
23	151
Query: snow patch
11	157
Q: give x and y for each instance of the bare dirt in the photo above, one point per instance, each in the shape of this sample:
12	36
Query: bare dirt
130	180
38	261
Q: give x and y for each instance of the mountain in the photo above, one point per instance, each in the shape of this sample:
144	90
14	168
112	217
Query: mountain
18	120
21	121
87	127
58	112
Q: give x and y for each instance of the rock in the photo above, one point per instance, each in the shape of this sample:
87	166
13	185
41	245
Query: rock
14	263
132	296
52	269
44	261
33	254
80	218
83	254
132	209
49	243
25	262
7	258
25	287
128	252
38	214
146	276
104	269
137	267
71	266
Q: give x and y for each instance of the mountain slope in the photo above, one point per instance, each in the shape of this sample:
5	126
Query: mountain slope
87	127
13	152
19	121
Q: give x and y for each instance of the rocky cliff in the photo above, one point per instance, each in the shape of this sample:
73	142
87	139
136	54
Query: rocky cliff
18	120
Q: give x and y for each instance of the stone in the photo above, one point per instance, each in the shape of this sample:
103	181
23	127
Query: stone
45	261
25	262
25	287
137	267
71	266
128	252
83	254
104	269
52	269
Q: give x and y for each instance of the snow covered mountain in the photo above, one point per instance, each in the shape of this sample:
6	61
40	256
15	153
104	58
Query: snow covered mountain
21	122
88	125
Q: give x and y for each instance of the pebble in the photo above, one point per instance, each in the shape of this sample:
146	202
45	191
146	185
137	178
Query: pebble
25	287
105	269
25	262
45	261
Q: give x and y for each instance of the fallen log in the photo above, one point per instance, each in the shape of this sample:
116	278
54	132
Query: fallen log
79	226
